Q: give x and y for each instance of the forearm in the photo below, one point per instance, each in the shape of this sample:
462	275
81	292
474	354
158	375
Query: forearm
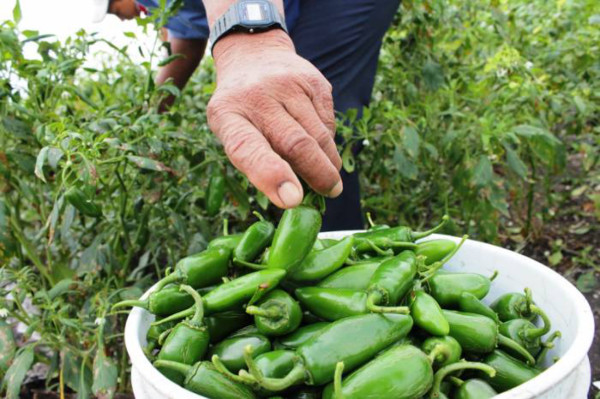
216	8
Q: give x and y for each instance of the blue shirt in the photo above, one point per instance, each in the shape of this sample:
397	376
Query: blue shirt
191	23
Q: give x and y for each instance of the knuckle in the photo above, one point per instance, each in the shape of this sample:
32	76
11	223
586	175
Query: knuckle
297	145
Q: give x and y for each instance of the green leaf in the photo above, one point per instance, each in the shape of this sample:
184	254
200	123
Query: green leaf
17	12
262	200
13	379
17	127
39	164
433	75
8	346
149	164
240	196
411	141
555	258
105	373
483	172
169	89
348	161
587	282
170	59
515	163
405	166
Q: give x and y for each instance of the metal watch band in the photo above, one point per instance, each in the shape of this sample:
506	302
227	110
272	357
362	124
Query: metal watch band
230	22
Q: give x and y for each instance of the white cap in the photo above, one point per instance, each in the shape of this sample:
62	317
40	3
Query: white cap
99	9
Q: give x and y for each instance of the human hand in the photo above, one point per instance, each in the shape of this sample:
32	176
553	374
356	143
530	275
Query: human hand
273	112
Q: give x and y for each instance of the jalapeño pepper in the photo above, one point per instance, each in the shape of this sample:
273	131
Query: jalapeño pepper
514	305
230	351
442	373
353	340
447	287
471	304
215	194
294	237
229	242
525	333
435	250
203	379
300	336
400	372
220	325
474	389
427	314
442	351
82	202
510	372
321	263
254	241
234	293
355	277
391	281
163	302
276	314
188	341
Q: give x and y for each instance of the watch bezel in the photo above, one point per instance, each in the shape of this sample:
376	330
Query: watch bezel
267	7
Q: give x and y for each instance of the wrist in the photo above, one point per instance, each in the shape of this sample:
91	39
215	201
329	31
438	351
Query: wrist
276	39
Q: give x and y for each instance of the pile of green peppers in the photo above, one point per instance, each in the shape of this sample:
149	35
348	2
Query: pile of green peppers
276	312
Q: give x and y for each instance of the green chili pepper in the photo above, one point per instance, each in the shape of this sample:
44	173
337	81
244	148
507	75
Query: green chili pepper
400	237
525	333
479	334
447	287
232	294
309	318
163	302
400	372
200	270
188	341
442	351
155	331
373	226
427	314
215	194
435	250
391	281
324	243
82	202
220	325
276	314
319	264
245	331
354	277
442	373
300	336
203	379
275	364
353	340
229	242
254	241
294	237
474	389
514	305
471	304
231	350
510	372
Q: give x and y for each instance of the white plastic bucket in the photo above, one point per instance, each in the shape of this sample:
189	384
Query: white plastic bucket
570	313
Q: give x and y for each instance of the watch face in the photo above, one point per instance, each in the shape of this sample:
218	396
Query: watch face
255	13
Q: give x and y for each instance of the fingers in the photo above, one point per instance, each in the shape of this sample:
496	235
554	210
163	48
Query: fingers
251	153
319	90
303	111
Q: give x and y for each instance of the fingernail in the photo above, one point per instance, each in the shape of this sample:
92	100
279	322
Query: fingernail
289	194
336	190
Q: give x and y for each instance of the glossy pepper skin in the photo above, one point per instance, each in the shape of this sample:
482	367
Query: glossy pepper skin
229	242
76	197
525	333
471	304
510	372
435	250
231	350
300	336
220	325
319	264
276	314
479	334
200	270
163	302
442	351
475	389
254	241
188	341
400	372
215	194
427	314
353	340
513	305
332	303
203	379
355	277
445	371
234	293
447	287
294	237
392	280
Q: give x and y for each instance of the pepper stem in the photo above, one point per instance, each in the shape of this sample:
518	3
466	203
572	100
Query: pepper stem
370	220
532	333
375	297
546	346
528	302
198	304
163	335
221	368
337	381
181	368
295	376
132	302
259	216
225	227
272	312
455	380
494	275
175	316
175	277
438	350
451	368
511	344
420	234
433	268
377	249
254	266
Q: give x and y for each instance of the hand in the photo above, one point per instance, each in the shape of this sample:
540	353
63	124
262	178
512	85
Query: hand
273	112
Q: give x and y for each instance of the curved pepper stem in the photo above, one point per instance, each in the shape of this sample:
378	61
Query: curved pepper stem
225	227
295	376
546	346
244	378
421	234
198	304
378	250
528	302
494	275
451	368
375	297
433	268
176	277
439	350
254	266
369	219
175	316
181	368
259	216
337	381
132	302
532	333
163	336
511	344
271	312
